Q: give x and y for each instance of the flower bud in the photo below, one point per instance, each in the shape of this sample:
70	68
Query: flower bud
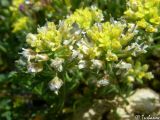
42	57
55	84
35	67
57	64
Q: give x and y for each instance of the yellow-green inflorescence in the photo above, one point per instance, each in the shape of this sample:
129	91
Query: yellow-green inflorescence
85	18
146	13
20	24
48	37
109	36
85	41
20	21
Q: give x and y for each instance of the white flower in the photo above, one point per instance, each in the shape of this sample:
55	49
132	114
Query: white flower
96	64
27	2
85	49
42	57
57	64
94	7
71	47
55	84
21	62
83	33
132	27
28	53
103	82
42	29
77	32
66	42
99	16
136	48
123	65
61	23
35	67
83	46
82	64
80	56
31	37
75	53
89	113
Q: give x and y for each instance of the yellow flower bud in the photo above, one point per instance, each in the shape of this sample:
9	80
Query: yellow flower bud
130	79
142	23
111	56
151	29
116	45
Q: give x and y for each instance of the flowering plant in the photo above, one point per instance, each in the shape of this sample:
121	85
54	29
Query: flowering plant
84	59
84	49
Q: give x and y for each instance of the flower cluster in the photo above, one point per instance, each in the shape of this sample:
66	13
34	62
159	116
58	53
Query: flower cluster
85	17
84	42
34	60
20	24
132	73
23	22
146	13
48	37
